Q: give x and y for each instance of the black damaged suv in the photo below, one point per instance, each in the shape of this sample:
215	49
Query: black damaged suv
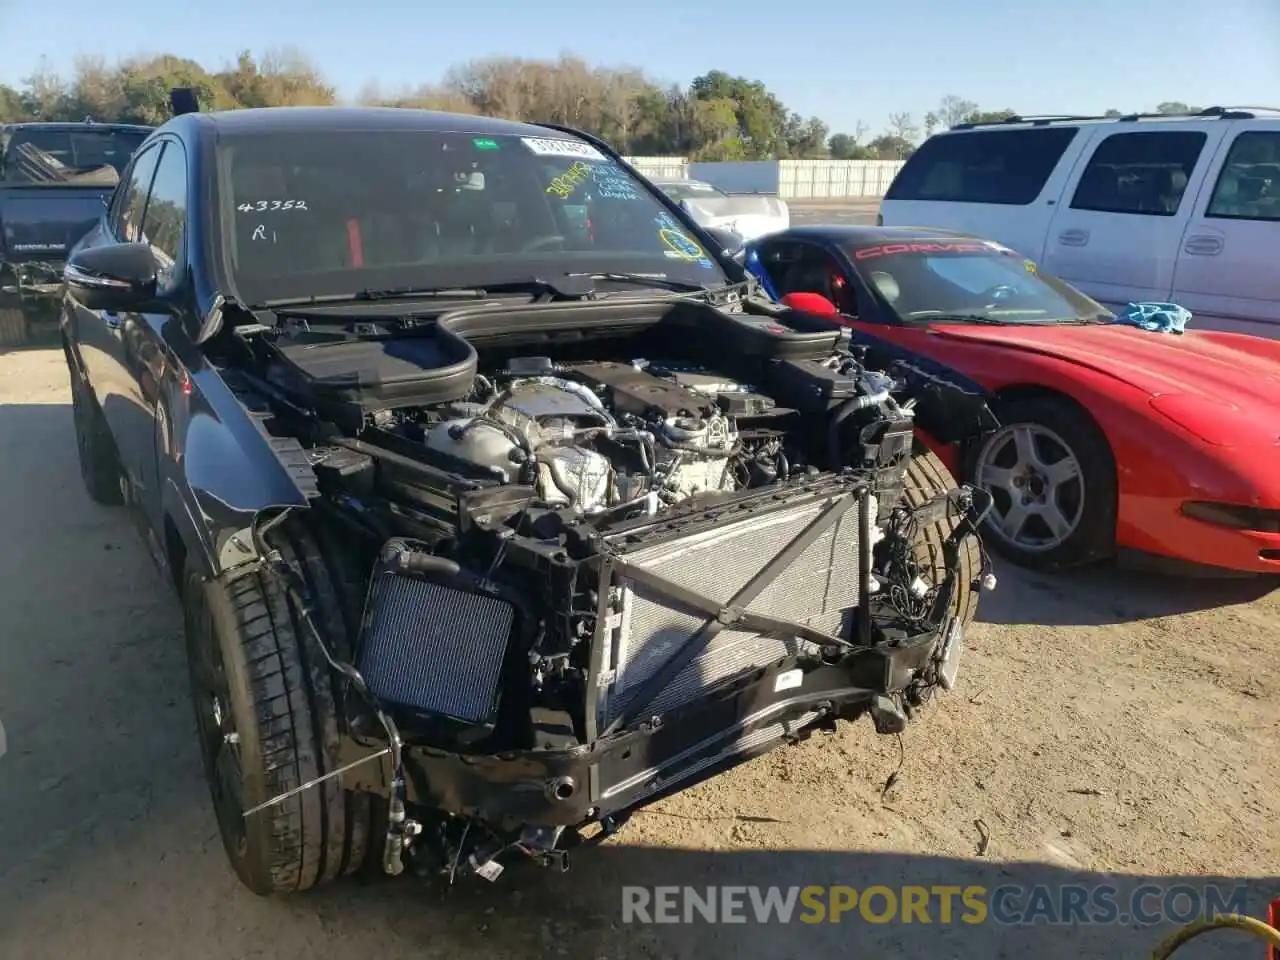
500	501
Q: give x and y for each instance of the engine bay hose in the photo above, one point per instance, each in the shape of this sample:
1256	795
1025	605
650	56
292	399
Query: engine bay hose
1169	945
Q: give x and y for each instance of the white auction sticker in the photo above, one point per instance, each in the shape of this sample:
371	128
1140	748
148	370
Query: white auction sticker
555	147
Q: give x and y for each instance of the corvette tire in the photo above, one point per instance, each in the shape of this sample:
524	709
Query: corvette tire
1053	479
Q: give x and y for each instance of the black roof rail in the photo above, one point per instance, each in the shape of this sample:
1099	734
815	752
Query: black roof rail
1221	113
1237	113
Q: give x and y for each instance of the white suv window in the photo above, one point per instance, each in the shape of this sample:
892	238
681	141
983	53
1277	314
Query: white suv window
1140	173
983	166
1249	185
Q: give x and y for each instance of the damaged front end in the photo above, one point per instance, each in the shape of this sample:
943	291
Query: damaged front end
714	634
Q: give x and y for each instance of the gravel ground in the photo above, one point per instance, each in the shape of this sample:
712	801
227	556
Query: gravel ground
1107	727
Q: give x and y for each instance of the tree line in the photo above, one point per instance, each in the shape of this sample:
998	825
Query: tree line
716	117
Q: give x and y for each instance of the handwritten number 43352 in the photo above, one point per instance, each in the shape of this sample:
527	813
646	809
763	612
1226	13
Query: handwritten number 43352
261	205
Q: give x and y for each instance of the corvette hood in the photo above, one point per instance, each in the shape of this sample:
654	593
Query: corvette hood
1223	387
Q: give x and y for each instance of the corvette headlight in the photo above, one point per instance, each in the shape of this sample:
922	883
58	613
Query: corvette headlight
1219	423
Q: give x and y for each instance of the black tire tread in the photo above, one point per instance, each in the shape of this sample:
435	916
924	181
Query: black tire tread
13	327
927	476
323	833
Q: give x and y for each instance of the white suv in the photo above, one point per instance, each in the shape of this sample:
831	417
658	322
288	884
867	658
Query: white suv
1144	207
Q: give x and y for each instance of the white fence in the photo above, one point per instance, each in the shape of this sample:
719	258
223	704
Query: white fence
788	179
661	168
835	179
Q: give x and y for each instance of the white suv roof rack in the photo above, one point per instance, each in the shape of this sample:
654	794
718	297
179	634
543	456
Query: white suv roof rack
1217	113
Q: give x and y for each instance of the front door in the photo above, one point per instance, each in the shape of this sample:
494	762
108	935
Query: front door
101	333
146	357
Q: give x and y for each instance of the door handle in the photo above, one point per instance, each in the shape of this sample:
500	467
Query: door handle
1073	238
113	320
1203	246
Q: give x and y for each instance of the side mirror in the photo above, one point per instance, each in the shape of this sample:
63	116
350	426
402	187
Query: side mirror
814	303
121	276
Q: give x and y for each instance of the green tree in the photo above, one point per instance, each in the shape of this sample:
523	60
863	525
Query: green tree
1175	106
845	146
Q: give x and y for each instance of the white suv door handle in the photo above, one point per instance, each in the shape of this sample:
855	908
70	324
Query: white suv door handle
1074	238
1203	246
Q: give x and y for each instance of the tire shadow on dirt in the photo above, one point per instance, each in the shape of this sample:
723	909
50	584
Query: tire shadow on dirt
1109	594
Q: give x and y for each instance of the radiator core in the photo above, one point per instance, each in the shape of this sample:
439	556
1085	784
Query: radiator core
434	648
820	589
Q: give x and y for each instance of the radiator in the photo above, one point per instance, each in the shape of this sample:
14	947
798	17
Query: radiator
435	649
819	589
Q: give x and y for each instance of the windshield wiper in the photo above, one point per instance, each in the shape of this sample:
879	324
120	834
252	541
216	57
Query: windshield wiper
963	318
532	285
646	279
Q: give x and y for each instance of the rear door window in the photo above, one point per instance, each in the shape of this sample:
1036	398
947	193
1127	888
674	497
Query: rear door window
987	166
1249	186
1143	173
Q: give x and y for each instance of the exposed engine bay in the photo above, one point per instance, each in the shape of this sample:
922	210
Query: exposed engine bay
603	570
605	438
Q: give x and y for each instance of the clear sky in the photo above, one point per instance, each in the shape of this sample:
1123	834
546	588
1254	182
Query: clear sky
840	60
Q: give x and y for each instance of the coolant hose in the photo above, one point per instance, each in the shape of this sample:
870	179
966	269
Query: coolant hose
1171	943
848	409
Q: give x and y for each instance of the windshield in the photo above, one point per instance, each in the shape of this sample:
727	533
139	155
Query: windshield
978	280
690	191
83	156
332	213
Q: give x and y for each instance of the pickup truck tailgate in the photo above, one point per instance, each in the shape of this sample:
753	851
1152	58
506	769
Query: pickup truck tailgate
43	221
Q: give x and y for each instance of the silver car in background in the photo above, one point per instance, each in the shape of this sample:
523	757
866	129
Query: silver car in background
749	215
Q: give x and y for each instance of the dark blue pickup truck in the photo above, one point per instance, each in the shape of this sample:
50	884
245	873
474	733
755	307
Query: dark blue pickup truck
54	180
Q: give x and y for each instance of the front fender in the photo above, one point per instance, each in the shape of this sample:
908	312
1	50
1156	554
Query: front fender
222	470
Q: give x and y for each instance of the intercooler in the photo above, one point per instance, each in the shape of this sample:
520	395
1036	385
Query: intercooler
818	589
434	648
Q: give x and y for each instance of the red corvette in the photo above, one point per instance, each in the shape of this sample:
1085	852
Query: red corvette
1111	437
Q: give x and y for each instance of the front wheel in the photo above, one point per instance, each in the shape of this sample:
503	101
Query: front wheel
267	720
927	477
1053	482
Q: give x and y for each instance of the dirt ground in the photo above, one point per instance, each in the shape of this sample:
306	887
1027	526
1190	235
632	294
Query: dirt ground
1108	727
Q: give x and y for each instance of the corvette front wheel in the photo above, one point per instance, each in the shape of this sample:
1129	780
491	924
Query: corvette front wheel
1053	482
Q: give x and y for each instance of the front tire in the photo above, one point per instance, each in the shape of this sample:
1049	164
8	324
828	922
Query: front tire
927	477
13	327
268	721
1053	481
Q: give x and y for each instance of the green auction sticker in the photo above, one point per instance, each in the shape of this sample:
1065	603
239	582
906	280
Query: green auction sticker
484	143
